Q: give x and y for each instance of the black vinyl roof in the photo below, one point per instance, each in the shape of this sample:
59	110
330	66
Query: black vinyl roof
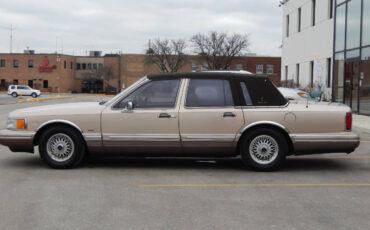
215	74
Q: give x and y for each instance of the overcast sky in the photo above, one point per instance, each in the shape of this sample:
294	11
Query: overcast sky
112	26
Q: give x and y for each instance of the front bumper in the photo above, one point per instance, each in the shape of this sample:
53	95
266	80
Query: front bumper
16	140
311	143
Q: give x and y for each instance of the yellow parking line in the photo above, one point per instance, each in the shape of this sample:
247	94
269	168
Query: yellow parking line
251	185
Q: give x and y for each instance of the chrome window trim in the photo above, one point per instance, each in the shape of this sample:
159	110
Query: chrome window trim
158	108
264	107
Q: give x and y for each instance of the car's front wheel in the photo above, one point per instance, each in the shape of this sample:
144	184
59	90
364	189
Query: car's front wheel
61	147
264	149
34	95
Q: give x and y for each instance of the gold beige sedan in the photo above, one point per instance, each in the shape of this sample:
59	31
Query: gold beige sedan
207	114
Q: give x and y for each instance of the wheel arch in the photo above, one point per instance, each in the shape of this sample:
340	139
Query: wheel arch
51	123
269	125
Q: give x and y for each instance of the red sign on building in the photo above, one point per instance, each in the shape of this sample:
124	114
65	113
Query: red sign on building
45	66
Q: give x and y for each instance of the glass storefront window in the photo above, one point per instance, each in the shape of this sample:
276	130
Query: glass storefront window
366	23
365	82
353	24
340	27
338	78
353	54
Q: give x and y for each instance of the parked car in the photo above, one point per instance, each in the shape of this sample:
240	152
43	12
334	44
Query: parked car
185	114
294	94
24	90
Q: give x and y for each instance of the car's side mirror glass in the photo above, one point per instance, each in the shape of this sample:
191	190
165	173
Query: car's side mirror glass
128	108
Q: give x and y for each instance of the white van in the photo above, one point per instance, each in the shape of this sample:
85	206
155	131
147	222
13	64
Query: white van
24	90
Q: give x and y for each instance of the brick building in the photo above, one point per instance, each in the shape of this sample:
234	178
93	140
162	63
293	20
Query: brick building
112	72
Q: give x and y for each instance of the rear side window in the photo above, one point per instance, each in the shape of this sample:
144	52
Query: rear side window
247	97
262	93
209	93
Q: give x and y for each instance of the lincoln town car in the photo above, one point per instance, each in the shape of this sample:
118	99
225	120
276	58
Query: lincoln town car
198	114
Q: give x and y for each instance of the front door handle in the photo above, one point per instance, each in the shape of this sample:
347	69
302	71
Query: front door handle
229	114
166	115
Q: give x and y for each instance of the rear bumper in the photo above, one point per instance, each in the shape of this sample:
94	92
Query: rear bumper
17	141
311	143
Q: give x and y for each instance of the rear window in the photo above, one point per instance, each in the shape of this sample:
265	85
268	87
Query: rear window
261	92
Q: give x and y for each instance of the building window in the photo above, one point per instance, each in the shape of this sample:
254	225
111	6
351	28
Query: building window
259	69
313	12
205	66
45	84
100	66
2	63
353	24
83	65
287	25
311	74
238	66
269	69
88	65
297	75
299	19
328	68
71	66
30	63
366	23
194	66
78	65
30	83
286	76
95	66
65	64
340	27
331	5
15	63
15	82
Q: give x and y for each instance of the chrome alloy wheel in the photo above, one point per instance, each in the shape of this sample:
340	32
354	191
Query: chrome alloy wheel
263	149
60	147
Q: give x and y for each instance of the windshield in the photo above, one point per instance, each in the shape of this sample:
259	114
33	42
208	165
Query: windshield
124	91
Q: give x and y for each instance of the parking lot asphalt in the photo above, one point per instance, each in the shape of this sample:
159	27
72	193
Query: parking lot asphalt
330	191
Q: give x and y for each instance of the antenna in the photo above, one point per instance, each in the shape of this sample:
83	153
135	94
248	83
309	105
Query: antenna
11	38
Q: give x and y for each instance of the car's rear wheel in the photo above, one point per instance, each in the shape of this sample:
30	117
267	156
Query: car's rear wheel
61	147
14	94
34	95
264	149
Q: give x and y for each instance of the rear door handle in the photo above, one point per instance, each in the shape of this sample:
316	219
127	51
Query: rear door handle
166	115
229	114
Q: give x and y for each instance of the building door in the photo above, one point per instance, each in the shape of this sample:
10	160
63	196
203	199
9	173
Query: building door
351	83
30	83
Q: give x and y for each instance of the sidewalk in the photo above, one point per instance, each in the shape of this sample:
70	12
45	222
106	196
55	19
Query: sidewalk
361	122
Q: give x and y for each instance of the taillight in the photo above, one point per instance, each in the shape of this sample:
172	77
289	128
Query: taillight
348	121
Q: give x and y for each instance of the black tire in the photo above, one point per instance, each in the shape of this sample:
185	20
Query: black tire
75	157
261	160
34	95
14	94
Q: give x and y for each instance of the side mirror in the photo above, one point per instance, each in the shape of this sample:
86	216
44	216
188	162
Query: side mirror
129	107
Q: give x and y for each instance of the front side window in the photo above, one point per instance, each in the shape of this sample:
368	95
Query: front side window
154	94
209	93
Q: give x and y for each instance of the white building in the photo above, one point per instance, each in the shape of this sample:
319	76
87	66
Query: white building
326	46
307	48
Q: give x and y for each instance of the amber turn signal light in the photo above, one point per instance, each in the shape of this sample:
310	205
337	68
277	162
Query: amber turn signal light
21	124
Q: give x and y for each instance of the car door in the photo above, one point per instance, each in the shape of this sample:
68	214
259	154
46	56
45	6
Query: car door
151	126
209	119
27	91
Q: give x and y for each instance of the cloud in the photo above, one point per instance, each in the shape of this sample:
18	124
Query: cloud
127	25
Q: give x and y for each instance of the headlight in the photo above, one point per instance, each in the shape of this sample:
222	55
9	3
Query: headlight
16	123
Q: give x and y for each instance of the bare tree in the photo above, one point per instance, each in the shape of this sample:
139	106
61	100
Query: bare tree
219	49
167	55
